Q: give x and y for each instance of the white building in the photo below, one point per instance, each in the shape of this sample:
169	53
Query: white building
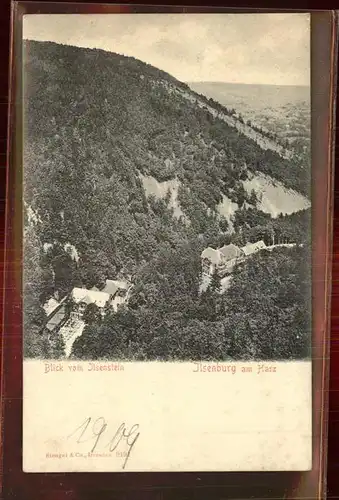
83	297
211	259
223	258
118	292
50	305
253	247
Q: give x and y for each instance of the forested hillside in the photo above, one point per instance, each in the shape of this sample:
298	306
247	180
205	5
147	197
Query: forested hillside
97	124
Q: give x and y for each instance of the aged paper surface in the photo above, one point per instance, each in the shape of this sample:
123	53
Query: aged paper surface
186	420
167	243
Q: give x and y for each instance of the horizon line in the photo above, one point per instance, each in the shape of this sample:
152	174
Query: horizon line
165	71
252	83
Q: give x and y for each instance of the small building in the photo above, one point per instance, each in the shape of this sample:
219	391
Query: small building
230	252
231	255
253	247
50	305
211	259
118	292
57	317
82	298
223	258
113	286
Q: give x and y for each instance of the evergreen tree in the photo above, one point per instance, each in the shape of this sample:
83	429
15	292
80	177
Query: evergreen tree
253	198
57	346
91	314
215	284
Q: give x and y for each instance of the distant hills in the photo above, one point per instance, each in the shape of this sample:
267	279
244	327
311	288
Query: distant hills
282	109
259	95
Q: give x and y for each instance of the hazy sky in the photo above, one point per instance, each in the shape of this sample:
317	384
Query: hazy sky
246	48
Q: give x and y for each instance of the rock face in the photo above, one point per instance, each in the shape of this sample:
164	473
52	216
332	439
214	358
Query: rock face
162	189
274	197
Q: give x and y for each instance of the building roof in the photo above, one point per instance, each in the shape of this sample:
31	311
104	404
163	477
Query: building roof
56	319
229	252
50	305
89	296
112	286
253	247
212	255
87	300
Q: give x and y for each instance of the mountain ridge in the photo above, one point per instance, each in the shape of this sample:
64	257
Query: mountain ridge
97	125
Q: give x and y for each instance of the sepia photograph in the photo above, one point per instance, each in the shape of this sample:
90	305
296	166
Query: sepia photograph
167	242
167	187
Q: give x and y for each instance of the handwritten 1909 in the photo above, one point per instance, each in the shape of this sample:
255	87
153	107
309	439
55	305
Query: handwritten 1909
95	431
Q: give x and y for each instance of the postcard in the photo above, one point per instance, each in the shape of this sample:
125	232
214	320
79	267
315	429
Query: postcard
167	242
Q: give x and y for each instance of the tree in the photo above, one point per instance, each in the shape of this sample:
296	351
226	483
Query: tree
64	268
223	224
95	267
34	316
253	198
215	284
92	314
87	346
56	346
269	306
35	343
204	340
241	195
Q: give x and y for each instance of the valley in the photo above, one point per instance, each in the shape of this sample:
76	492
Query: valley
281	110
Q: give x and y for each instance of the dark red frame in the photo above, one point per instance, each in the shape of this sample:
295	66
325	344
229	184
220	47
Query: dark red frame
174	485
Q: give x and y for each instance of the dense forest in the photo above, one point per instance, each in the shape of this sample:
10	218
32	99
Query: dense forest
96	121
264	315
